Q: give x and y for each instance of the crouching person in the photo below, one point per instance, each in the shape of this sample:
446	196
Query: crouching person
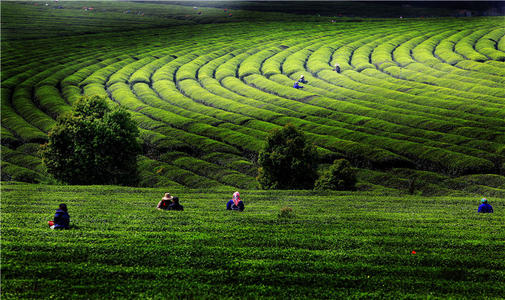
165	202
61	218
235	203
175	204
485	207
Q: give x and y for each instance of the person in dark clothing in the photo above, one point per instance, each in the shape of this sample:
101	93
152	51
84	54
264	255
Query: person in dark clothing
485	207
302	79
175	204
337	68
297	85
235	203
165	202
61	218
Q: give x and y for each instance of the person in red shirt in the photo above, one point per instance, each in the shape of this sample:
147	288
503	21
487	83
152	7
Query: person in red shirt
165	202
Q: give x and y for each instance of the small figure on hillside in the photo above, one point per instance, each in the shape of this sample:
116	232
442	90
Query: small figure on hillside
485	207
302	79
165	202
235	203
175	204
337	68
61	218
297	85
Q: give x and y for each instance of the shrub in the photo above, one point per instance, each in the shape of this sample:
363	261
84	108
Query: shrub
340	176
286	212
287	161
93	145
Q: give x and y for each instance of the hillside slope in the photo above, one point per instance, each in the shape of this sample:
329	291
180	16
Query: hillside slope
419	98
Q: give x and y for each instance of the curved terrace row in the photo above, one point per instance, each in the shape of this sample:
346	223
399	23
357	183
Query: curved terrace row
414	96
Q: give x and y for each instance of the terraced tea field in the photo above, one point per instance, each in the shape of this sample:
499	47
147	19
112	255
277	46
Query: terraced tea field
338	245
416	97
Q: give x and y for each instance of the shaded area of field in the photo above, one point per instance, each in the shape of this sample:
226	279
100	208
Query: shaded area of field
336	245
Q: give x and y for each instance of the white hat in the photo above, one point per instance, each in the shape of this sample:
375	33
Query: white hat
167	197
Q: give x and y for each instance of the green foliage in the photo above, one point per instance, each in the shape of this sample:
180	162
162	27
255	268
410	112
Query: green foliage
407	95
287	161
339	177
340	245
286	213
93	145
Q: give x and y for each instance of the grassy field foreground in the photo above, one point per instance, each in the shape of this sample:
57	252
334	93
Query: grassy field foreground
335	245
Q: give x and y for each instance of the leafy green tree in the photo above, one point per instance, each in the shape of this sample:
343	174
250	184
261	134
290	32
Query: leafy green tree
340	176
93	145
287	161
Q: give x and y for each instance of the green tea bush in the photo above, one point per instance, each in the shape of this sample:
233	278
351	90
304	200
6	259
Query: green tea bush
207	70
12	172
252	64
286	212
144	73
124	74
167	71
487	45
106	69
340	177
480	67
319	60
402	54
27	132
295	62
23	104
49	99
465	46
8	139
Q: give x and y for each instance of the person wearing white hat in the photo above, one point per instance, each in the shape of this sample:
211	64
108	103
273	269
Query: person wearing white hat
302	79
337	68
165	202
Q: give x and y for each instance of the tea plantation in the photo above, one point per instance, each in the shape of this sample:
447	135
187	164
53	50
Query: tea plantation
418	107
417	97
331	245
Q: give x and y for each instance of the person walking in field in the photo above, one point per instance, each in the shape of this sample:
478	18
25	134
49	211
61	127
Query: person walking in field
61	218
165	202
302	79
297	85
235	203
175	204
337	68
485	207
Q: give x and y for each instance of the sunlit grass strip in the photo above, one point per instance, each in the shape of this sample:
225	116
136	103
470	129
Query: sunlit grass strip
487	45
169	172
465	46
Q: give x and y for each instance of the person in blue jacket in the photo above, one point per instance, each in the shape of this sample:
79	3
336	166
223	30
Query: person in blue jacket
485	207
302	79
297	85
61	218
337	68
235	203
175	204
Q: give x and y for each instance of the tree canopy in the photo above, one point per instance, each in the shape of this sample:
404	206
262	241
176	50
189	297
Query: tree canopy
287	160
94	144
340	176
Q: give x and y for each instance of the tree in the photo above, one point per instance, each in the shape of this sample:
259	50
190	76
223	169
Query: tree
340	176
93	145
287	161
